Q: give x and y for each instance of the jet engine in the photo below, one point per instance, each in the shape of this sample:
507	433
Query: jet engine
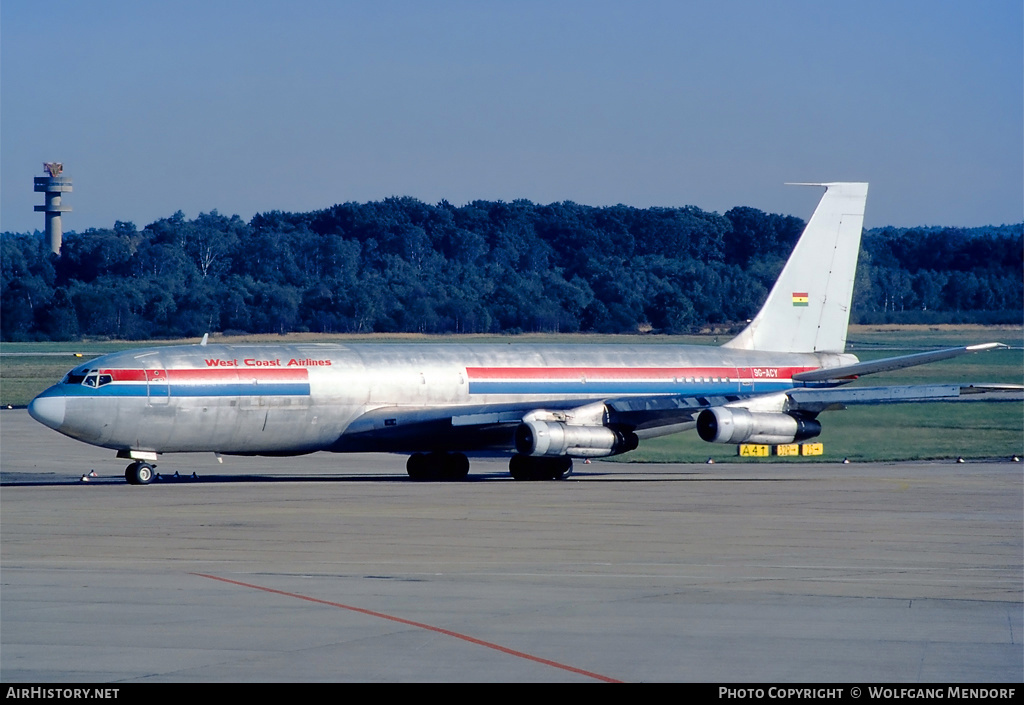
555	438
737	425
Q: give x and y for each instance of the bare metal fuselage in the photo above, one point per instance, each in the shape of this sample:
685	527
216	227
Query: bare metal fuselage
292	399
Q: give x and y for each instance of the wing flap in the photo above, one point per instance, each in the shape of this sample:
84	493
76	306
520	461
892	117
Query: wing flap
818	400
847	372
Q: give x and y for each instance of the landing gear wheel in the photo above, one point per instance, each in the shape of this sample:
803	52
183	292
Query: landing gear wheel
437	466
418	467
562	469
139	473
454	466
524	467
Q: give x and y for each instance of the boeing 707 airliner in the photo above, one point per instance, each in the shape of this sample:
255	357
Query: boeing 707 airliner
543	405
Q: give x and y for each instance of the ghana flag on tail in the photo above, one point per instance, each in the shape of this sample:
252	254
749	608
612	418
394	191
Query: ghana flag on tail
799	298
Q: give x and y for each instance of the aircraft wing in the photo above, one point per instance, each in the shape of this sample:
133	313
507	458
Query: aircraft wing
492	426
653	416
412	428
817	400
848	372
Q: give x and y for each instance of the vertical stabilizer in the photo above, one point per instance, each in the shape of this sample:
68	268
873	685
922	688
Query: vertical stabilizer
808	309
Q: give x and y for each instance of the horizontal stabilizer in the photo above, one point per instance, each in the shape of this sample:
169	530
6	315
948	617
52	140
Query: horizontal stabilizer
889	363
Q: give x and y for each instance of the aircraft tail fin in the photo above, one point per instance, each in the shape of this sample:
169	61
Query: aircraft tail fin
808	309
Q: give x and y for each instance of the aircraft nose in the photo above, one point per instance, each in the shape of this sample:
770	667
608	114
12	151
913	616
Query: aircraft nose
48	411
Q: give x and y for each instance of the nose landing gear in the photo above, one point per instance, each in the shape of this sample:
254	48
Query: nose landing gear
139	473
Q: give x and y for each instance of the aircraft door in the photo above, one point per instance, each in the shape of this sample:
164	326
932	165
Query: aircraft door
158	388
746	377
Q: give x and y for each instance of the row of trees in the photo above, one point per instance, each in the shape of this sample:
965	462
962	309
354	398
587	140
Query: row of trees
403	265
942	275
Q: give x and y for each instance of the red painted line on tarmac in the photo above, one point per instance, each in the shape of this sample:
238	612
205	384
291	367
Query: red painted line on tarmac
421	625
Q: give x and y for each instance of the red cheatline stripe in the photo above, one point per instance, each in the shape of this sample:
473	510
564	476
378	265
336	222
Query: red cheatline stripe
421	625
601	374
216	374
243	373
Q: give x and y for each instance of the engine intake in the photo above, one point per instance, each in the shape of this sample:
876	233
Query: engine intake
555	438
736	425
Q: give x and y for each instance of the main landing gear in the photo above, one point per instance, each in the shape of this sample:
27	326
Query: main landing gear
455	466
139	473
437	466
526	467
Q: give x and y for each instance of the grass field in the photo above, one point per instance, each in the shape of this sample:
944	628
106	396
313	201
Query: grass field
902	432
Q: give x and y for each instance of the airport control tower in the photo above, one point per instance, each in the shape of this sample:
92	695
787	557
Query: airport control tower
53	186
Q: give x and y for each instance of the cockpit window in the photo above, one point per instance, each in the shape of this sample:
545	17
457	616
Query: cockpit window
93	378
74	377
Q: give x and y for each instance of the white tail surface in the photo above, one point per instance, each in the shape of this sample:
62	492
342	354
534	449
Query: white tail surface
808	309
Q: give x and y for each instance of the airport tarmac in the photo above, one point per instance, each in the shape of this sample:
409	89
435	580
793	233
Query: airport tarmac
339	568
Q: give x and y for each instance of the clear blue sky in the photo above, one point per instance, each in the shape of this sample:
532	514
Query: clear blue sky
253	106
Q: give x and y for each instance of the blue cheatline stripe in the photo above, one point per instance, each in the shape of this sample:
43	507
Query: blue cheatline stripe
268	389
108	390
599	387
263	389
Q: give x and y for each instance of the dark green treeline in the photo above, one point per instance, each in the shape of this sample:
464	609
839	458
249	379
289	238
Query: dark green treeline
403	265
